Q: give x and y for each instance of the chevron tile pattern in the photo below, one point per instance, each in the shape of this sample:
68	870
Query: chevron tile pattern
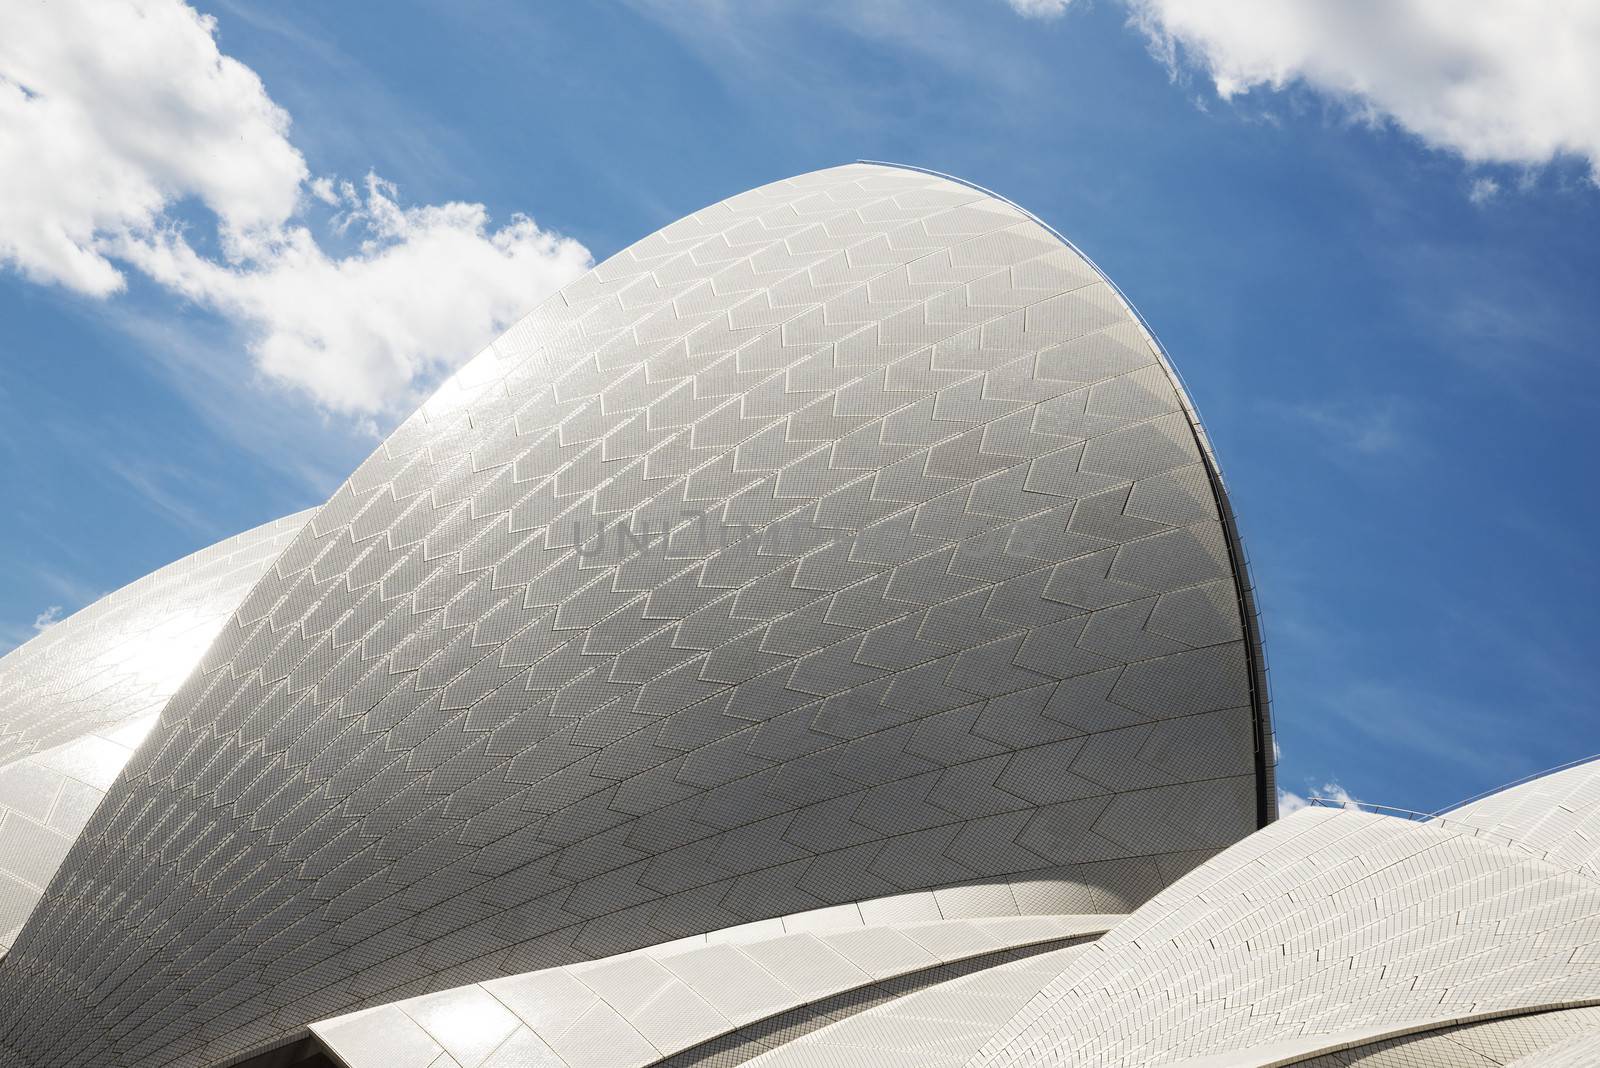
77	699
845	539
1325	923
45	799
123	656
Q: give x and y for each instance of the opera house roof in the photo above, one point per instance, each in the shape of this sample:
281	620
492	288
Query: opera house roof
818	636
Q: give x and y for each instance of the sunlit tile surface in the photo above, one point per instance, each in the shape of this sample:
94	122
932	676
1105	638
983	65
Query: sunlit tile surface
77	700
638	1008
1327	924
847	540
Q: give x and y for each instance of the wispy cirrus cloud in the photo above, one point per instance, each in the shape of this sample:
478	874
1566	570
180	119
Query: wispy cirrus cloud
161	487
1040	9
1370	426
1482	190
122	121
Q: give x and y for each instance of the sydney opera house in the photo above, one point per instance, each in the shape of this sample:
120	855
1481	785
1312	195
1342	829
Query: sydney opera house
817	637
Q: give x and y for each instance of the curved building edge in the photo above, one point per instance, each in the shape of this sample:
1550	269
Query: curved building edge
148	1044
90	689
1249	610
942	1021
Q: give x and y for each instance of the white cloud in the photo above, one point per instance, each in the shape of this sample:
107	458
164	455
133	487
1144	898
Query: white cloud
1514	83
112	111
1290	802
1483	190
428	286
113	114
47	619
1332	791
1039	9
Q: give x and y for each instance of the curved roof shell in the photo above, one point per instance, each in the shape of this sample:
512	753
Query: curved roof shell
848	538
1574	1051
1556	815
124	656
1332	938
692	1000
77	699
1327	930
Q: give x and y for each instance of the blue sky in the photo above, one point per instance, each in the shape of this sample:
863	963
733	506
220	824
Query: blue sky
1382	298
